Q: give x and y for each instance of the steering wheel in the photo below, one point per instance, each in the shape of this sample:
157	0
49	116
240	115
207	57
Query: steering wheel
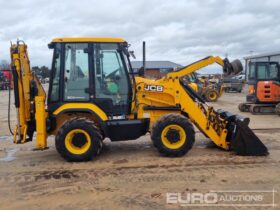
113	75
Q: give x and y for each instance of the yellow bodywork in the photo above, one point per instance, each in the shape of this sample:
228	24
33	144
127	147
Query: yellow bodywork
174	95
178	144
88	106
88	39
71	110
40	117
194	86
71	146
165	92
26	110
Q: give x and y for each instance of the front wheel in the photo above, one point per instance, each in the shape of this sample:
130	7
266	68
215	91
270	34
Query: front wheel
211	95
173	135
78	140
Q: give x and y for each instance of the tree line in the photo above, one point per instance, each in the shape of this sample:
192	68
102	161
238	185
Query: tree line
42	71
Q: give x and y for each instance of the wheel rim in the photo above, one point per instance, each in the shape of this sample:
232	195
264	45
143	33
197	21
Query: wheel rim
173	143
213	95
77	141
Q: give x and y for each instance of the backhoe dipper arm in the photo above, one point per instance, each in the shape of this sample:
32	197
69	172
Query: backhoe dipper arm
228	68
29	97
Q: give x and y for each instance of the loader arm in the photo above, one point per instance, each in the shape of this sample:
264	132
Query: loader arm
29	97
170	94
198	65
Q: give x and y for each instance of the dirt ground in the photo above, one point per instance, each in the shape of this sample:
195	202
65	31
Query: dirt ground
132	175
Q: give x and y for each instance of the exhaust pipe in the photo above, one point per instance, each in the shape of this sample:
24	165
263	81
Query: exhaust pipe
144	56
141	71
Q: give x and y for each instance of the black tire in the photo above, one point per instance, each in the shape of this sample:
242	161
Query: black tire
173	119
242	107
236	66
211	95
82	124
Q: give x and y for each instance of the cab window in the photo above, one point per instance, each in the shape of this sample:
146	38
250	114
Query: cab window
252	73
76	72
54	95
111	78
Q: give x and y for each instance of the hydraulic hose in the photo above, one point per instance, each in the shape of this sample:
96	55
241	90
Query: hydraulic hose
9	105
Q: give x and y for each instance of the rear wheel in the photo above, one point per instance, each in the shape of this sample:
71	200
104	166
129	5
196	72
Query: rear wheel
212	95
78	140
173	135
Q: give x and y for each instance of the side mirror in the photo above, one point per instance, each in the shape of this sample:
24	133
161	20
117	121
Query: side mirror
131	53
51	45
141	71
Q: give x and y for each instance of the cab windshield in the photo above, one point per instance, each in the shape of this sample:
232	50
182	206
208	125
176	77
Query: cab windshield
268	71
264	71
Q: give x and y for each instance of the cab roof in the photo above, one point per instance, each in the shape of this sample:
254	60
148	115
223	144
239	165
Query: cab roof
88	39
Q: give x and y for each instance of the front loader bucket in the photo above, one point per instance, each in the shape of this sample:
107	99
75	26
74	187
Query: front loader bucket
245	142
242	139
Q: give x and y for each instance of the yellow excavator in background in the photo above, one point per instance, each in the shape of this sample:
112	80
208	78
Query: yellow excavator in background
94	94
211	92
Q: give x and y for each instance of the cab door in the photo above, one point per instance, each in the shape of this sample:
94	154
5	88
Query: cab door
111	79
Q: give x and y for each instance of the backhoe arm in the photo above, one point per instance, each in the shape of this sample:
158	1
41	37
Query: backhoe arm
29	97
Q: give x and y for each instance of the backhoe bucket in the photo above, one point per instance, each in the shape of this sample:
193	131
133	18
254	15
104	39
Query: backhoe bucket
245	142
242	139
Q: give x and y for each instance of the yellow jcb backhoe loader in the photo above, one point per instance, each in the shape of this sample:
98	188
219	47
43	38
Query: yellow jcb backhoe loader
94	94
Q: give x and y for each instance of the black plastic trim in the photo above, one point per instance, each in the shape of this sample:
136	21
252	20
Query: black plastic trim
16	90
120	130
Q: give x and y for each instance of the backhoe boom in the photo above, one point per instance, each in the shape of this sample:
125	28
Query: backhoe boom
29	98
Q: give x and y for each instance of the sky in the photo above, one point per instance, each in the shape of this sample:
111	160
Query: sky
181	31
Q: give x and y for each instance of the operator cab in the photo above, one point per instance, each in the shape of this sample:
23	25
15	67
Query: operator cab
263	80
91	70
262	71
